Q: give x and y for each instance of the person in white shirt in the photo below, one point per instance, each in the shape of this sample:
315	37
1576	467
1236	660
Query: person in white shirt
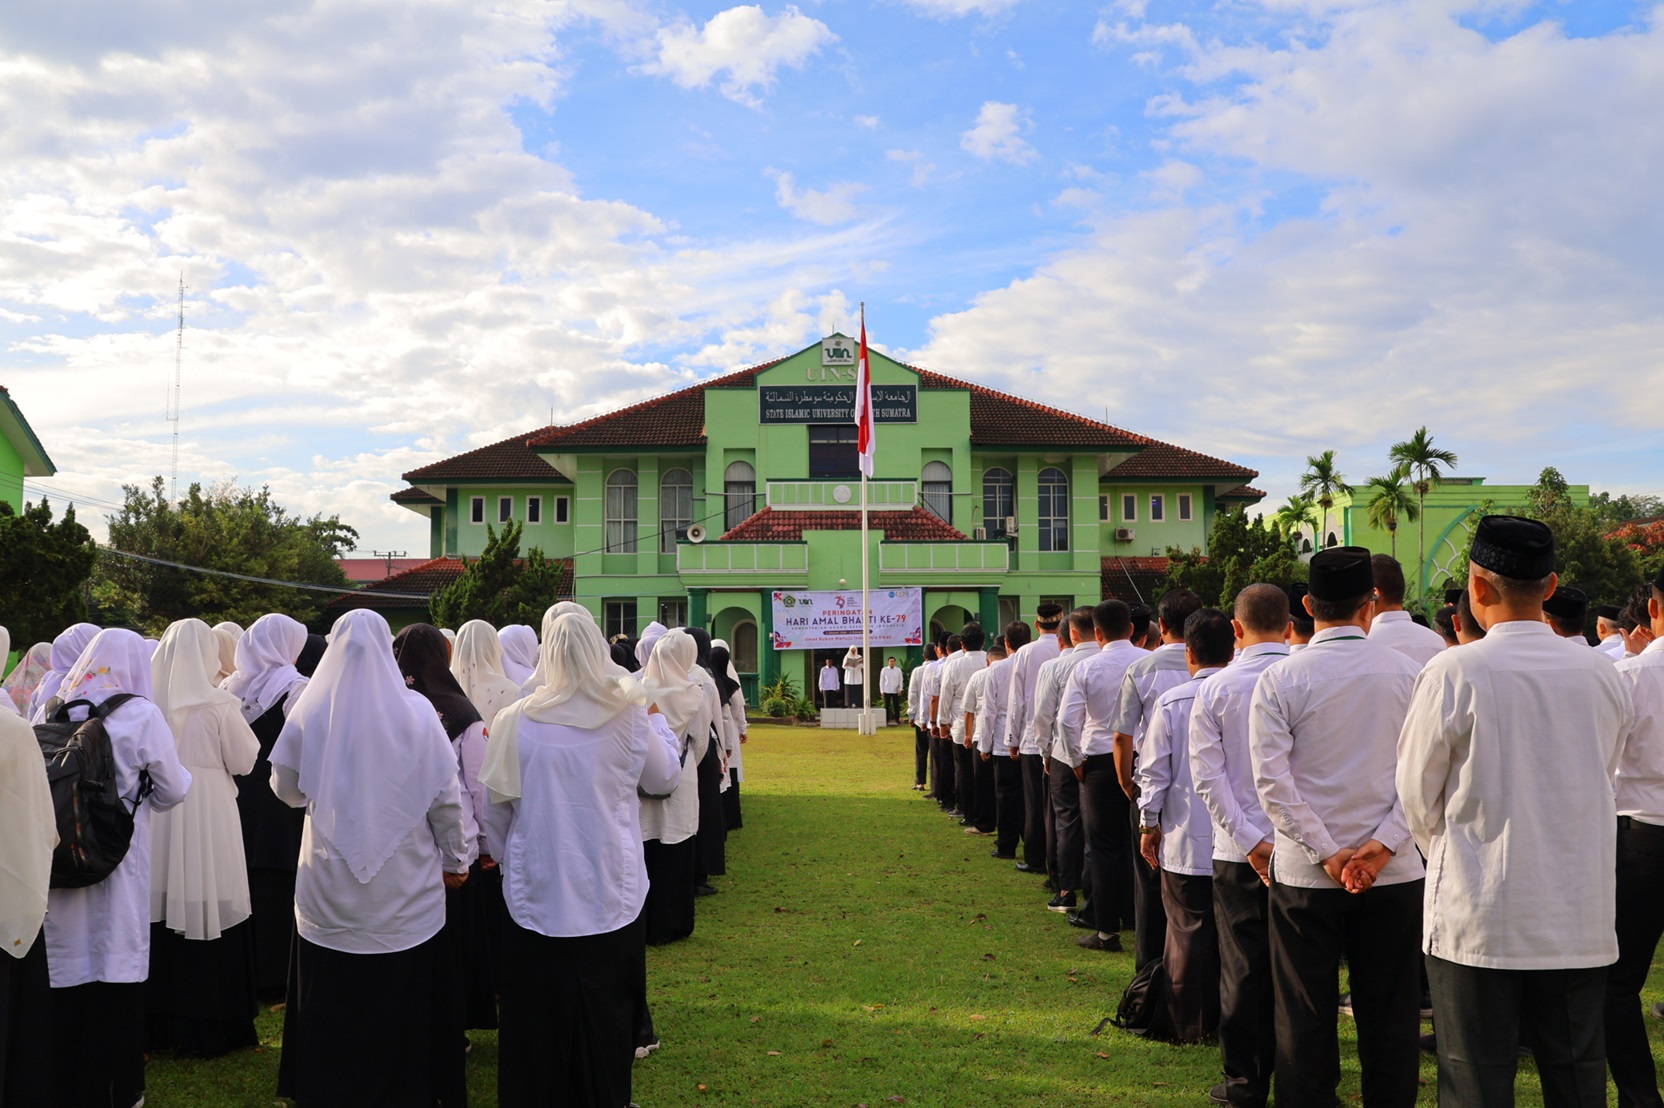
1300	626
28	833
1007	770
1090	701
1392	625
1146	679
855	678
1323	736
1519	916
941	759
1609	629
1020	736
670	818
915	716
1223	775
1640	867
1068	839
890	688
982	771
950	717
1567	611
1176	833
562	771
831	682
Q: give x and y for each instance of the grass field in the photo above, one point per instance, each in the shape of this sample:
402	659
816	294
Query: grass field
863	951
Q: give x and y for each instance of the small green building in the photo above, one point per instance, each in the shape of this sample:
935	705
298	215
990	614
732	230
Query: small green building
21	454
695	507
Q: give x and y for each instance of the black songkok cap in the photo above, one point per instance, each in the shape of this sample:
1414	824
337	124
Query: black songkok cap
1048	613
1453	596
1297	591
1568	603
1658	582
1522	549
1609	612
1341	573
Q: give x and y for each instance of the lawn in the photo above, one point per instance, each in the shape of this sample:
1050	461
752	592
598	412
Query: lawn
863	951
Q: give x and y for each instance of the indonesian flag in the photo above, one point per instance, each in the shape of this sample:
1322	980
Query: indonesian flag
863	404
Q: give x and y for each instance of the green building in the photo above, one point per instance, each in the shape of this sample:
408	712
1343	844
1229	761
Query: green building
694	508
21	454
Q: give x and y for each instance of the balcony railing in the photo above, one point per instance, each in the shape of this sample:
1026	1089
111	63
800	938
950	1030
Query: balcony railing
820	496
743	557
943	557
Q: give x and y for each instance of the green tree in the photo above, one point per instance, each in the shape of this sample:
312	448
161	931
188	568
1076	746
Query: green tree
1587	554
1427	464
1322	483
1390	502
44	567
500	586
232	529
1296	512
1241	551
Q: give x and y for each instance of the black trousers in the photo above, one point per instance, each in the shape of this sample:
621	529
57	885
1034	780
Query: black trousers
1149	917
1068	836
1191	955
1103	816
1008	803
964	776
1247	1010
892	706
1379	935
921	755
987	792
1640	922
946	775
1035	810
1480	1015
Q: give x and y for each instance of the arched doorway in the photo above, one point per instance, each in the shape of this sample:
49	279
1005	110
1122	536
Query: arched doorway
948	619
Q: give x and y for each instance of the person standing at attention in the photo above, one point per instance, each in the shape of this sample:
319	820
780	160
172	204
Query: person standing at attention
1022	740
855	678
889	686
830	684
1392	625
915	715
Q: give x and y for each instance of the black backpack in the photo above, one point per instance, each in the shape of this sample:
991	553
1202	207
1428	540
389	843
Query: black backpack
1143	1009
95	826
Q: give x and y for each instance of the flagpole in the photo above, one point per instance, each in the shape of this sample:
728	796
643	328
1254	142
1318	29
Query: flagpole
867	727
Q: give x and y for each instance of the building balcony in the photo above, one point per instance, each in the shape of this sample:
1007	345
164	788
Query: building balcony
823	496
940	562
783	565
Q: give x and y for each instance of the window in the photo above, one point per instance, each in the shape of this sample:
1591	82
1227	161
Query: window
739	490
621	512
745	647
505	509
1103	509
1054	510
675	510
998	501
1158	508
1129	508
936	489
1185	509
618	617
832	451
673	613
563	508
534	509
476	509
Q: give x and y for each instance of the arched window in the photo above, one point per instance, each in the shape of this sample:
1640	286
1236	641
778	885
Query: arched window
1054	510
936	489
998	500
745	647
621	512
675	508
739	488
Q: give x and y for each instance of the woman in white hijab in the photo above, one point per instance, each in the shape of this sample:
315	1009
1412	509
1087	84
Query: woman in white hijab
230	634
5	666
669	822
66	648
98	937
369	1019
563	771
266	685
201	996
477	664
519	652
27	834
734	728
31	669
539	677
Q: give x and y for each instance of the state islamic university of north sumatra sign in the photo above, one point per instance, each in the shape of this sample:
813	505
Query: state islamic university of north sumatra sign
819	620
834	403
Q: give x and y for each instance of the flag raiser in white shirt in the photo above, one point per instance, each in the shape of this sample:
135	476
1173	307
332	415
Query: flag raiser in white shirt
1091	699
1167	797
1397	630
1025	674
1323	736
1048	700
1640	778
1505	766
1220	768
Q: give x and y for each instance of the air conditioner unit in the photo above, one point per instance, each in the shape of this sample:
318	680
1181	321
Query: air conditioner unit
1124	534
696	533
980	534
1011	525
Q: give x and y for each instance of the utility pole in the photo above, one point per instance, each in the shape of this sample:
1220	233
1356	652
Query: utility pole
389	555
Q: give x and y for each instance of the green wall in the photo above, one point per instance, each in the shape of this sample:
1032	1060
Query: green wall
11	474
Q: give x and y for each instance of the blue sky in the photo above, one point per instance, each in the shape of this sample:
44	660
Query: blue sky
1257	229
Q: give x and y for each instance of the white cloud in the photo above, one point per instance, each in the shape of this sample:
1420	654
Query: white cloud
744	46
833	204
997	135
951	9
867	122
922	170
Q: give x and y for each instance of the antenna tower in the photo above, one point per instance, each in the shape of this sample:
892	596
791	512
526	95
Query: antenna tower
173	398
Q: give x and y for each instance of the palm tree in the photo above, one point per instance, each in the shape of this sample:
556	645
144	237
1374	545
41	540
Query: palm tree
1293	515
1322	482
1426	464
1390	501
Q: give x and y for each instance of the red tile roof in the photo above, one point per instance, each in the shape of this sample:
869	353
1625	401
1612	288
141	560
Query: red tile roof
1133	580
424	579
414	496
1162	459
918	524
510	458
677	419
363	571
1242	492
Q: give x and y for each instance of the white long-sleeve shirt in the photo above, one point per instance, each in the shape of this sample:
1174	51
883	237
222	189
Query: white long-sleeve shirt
1505	767
915	685
1086	719
956	674
1640	778
830	679
1397	630
1025	673
1613	647
1323	736
975	694
676	818
1166	796
889	680
991	714
930	684
1220	768
1048	699
1147	678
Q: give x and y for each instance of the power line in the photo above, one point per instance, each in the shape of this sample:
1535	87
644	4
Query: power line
256	580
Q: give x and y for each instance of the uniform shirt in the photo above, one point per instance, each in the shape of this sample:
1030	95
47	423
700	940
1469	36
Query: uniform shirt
1147	678
1166	797
889	680
1048	700
1091	699
1397	630
1505	767
1640	779
915	683
1025	674
929	686
830	679
1323	736
973	704
1220	766
1613	647
956	674
996	703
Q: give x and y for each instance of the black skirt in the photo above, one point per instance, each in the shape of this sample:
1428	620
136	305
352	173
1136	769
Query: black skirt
98	1044
271	847
713	833
372	1030
569	1018
731	802
200	997
472	915
271	895
25	1035
669	911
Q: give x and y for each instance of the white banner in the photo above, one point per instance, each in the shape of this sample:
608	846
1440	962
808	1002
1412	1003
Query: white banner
805	620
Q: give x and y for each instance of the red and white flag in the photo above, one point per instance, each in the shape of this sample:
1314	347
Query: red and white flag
864	438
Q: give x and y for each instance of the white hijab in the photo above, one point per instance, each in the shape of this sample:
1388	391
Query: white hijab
477	665
115	661
266	664
585	690
31	669
230	634
66	648
650	636
182	672
540	676
519	652
369	752
29	831
669	681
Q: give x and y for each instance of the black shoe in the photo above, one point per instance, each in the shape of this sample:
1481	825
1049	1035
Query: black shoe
1004	856
1658	1011
1095	941
705	890
1346	1004
1430	1043
1024	867
1062	902
1216	1095
1081	919
1049	884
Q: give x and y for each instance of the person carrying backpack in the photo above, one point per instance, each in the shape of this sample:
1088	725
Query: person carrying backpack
98	935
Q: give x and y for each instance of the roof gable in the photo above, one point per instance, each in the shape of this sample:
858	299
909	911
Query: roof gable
36	462
511	458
